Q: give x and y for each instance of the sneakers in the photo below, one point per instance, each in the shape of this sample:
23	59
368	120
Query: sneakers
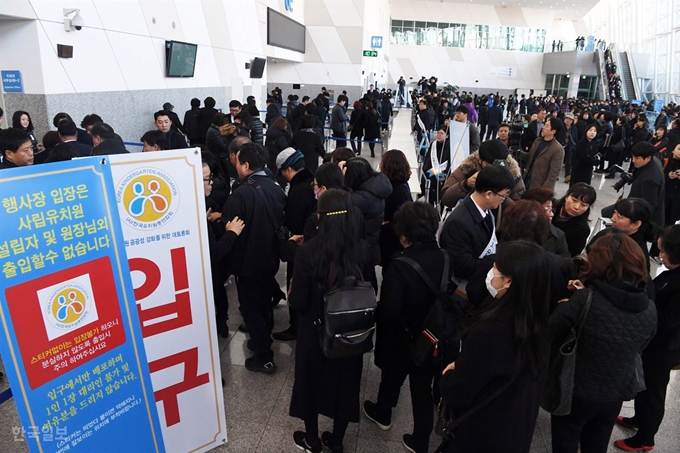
299	437
630	445
371	412
258	365
410	445
626	422
326	440
286	335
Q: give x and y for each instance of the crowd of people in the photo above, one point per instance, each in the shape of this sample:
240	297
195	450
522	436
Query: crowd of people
516	267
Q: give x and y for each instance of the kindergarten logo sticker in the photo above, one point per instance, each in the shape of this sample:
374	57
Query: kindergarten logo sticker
67	306
148	198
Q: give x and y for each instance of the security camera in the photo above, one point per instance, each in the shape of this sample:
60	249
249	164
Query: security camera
77	23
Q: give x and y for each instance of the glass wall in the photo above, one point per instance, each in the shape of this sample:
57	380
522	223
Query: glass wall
557	84
651	27
444	34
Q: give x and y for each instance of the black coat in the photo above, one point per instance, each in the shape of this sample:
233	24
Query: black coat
371	125
405	300
583	160
648	184
322	386
273	112
205	119
621	322
275	142
386	110
84	137
576	229
309	144
83	150
389	242
672	191
176	123
356	120
191	124
667	302
495	116
176	140
370	199
300	203
486	362
255	251
465	236
256	131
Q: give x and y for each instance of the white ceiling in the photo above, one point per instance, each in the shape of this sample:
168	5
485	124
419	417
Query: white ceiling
565	9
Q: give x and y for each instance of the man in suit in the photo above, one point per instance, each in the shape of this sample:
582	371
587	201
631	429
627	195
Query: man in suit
468	233
68	133
174	138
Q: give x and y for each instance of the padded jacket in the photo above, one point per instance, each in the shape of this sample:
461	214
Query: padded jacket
619	325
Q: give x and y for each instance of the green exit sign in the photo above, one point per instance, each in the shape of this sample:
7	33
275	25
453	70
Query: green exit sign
370	53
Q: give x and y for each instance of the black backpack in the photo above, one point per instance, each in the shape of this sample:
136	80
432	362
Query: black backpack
436	342
348	321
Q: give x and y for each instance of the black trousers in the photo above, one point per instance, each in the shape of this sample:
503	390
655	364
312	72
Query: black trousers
343	139
255	299
590	424
482	130
650	405
420	380
220	298
568	156
492	132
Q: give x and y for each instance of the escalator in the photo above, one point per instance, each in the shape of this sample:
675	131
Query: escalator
628	83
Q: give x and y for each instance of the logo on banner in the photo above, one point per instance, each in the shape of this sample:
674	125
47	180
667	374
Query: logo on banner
149	198
67	306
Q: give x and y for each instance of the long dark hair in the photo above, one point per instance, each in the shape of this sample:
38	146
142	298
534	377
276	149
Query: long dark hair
527	300
338	248
357	172
16	121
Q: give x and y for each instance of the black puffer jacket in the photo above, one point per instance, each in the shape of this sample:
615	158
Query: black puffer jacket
621	322
370	199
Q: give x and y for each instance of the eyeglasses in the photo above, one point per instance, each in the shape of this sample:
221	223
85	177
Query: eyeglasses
208	179
504	197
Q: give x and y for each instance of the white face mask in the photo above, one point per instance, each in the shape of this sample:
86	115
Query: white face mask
489	278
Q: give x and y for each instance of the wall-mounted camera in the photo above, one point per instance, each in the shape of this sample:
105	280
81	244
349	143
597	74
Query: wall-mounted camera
73	23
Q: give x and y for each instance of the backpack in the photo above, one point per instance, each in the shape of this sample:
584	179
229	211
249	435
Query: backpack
348	321
436	342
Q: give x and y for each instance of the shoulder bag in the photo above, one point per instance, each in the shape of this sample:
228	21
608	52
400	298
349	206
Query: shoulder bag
559	387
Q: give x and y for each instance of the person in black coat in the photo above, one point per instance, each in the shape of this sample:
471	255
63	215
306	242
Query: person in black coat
191	121
632	216
405	300
395	165
503	357
495	118
371	122
308	142
618	326
672	189
385	112
571	215
254	258
300	204
436	176
205	118
369	191
277	139
469	231
68	133
663	352
427	115
273	111
648	180
217	140
356	123
329	387
585	157
174	138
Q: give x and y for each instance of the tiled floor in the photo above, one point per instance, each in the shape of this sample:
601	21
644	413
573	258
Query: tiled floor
257	404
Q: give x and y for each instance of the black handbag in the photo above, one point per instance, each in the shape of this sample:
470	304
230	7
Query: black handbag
559	387
281	231
425	343
446	423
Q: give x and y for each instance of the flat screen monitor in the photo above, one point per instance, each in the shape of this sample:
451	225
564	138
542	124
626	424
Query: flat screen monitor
180	59
285	32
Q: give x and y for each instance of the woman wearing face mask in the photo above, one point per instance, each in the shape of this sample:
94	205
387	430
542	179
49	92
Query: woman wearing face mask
503	356
619	323
663	352
571	215
585	157
633	217
395	165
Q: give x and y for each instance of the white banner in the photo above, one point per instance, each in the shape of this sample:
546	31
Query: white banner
162	212
459	141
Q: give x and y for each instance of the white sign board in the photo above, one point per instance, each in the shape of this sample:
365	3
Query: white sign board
162	210
459	139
